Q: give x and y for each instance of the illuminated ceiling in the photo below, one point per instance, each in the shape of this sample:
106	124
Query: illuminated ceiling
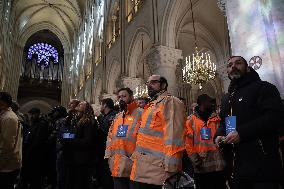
63	16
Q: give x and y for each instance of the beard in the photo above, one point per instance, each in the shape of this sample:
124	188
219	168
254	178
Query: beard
152	92
122	105
235	74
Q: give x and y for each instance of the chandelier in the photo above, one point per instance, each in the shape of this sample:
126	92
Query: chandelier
198	67
140	91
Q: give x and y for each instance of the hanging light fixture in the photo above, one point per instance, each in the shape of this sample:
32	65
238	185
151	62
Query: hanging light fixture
198	67
141	90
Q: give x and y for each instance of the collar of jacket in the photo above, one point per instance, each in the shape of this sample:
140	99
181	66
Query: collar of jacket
131	107
159	98
214	116
250	77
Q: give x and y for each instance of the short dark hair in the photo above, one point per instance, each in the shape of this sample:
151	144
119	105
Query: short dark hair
243	59
163	80
203	98
6	97
60	109
108	102
129	91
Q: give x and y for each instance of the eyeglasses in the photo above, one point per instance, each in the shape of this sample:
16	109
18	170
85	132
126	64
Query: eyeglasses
152	82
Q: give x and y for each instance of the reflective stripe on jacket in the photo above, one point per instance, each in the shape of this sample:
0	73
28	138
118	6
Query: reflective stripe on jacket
204	154
118	148
160	141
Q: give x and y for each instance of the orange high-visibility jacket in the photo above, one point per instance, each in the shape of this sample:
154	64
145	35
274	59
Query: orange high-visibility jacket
204	154
160	141
120	148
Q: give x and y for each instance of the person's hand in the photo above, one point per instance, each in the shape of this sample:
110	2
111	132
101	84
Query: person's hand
218	139
232	138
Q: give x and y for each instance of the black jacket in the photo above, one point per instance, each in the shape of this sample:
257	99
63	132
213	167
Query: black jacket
257	106
104	122
35	149
82	149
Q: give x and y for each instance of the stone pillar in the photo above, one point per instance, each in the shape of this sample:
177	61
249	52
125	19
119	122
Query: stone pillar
66	88
255	29
131	82
163	60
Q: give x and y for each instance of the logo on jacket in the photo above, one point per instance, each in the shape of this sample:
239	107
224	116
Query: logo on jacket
122	130
240	99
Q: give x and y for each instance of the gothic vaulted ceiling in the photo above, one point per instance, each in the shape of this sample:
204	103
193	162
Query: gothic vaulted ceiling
64	16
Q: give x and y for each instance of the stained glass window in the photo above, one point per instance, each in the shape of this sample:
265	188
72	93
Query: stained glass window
43	51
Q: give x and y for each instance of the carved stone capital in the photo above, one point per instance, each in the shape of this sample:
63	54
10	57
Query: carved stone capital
132	82
162	56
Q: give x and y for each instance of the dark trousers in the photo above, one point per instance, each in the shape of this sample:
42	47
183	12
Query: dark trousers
212	180
104	174
7	180
140	185
122	183
255	185
61	171
78	177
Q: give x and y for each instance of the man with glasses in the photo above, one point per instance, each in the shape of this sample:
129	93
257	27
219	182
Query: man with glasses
160	139
251	116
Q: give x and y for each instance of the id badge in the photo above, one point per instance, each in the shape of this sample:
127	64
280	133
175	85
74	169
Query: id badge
231	122
68	135
205	133
122	130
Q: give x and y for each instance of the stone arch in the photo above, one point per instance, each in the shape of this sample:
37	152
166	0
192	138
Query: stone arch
97	90
169	20
204	39
44	104
28	32
113	76
173	23
135	55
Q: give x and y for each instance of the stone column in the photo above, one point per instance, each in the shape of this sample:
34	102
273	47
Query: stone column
255	29
163	60
66	87
131	82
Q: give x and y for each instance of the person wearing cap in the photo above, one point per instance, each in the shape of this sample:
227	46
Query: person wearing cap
205	156
251	117
10	143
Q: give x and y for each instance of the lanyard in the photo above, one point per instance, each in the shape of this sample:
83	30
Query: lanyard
123	117
230	103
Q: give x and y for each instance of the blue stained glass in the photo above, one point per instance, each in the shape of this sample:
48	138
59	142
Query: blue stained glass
43	51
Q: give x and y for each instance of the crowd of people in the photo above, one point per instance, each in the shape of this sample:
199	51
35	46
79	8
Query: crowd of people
144	143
